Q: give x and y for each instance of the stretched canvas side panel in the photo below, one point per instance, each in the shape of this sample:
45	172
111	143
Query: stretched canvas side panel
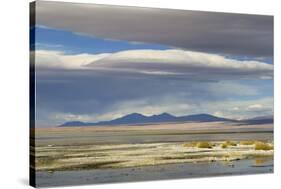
32	180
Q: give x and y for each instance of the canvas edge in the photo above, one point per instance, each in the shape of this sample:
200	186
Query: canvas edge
32	177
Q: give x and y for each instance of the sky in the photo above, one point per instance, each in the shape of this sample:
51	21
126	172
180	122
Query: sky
98	62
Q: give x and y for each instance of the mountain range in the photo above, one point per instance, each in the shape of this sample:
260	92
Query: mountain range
136	118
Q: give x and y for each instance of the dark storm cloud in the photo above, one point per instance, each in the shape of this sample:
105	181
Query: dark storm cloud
89	92
235	34
76	92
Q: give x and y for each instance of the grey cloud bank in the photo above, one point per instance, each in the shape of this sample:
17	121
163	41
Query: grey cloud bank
233	34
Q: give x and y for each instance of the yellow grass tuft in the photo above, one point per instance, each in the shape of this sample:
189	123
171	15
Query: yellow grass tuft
223	145
203	145
230	143
247	142
263	146
190	144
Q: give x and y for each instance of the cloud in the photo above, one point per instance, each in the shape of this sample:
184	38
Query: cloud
255	107
176	64
235	109
233	34
59	60
244	109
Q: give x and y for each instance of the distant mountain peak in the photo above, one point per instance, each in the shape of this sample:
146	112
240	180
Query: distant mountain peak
162	115
134	115
166	114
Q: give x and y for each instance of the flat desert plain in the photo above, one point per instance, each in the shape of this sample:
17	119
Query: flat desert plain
99	154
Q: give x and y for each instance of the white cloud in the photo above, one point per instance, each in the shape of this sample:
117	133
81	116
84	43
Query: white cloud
172	63
57	59
70	117
219	114
242	109
255	107
173	56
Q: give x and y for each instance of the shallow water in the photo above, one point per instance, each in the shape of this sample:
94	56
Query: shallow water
160	172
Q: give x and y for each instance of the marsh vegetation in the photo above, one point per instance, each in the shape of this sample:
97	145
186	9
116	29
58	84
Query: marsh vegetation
56	158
